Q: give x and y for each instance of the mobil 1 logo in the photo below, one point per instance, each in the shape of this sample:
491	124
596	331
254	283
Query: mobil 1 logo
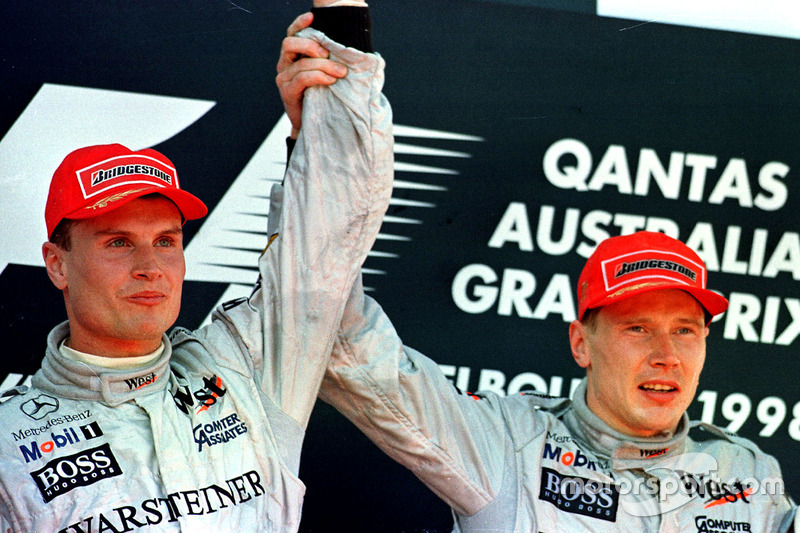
84	468
573	494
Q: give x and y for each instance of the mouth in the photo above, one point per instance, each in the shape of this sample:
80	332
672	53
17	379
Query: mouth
660	391
147	297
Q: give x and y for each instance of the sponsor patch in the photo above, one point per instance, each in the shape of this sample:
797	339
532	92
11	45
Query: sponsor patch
37	448
705	524
166	509
63	474
141	381
218	431
649	454
125	170
575	458
39	407
650	266
578	495
714	491
23	434
208	395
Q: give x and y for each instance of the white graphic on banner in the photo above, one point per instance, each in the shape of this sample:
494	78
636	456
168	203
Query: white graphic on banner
62	118
227	246
59	119
779	18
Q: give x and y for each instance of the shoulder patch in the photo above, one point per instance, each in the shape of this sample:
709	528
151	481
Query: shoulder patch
544	402
178	334
15	391
703	432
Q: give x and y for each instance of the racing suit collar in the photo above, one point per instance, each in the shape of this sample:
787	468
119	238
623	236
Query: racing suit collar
81	381
623	450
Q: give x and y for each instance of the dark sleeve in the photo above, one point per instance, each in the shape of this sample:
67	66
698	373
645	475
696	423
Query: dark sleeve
347	25
289	149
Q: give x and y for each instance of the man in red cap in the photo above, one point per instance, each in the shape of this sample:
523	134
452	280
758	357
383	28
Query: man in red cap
621	455
126	428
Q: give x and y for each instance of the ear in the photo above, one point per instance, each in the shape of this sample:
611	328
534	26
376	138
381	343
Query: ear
54	263
579	343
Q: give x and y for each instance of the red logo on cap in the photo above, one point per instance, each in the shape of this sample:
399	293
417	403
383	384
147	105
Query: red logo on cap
125	170
652	266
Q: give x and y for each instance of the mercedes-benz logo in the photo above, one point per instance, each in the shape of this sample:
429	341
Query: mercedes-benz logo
39	407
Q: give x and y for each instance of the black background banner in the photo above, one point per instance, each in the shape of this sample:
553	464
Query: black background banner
525	135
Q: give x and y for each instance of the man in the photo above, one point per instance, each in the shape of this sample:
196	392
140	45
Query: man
125	428
621	456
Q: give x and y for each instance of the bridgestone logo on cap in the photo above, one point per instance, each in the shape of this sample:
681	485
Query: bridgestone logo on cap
628	268
652	266
125	170
128	170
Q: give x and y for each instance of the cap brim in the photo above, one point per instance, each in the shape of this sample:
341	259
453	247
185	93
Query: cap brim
190	206
712	302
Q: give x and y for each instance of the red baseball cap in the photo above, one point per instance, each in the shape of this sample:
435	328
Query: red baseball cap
97	179
628	265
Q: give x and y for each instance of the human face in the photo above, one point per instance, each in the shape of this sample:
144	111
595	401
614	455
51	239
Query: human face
122	277
643	357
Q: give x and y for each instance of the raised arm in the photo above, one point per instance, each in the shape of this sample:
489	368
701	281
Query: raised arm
400	399
323	220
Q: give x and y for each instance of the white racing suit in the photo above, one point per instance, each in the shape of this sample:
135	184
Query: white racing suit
208	437
531	463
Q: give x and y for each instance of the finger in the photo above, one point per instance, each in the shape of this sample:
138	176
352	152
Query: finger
294	81
292	89
303	21
296	47
324	66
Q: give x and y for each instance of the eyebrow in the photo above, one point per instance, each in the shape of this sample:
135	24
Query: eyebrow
645	318
110	232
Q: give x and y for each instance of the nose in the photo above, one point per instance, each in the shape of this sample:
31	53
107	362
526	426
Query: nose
146	264
663	352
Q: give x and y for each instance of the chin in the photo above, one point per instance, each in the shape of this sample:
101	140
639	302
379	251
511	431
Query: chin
656	425
147	331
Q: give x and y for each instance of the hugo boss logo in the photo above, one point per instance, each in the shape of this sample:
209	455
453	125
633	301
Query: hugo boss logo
64	474
578	495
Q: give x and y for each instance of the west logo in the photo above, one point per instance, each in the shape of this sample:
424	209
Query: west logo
718	493
208	395
33	450
573	494
141	381
64	474
648	454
